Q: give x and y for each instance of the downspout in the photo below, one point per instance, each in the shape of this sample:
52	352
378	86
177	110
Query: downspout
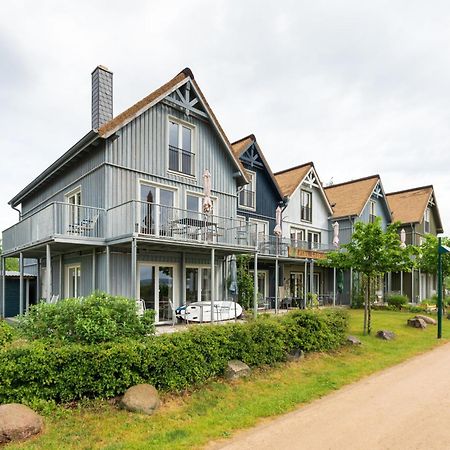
18	210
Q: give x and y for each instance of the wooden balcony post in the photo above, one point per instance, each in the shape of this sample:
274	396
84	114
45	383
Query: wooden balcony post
108	283
48	259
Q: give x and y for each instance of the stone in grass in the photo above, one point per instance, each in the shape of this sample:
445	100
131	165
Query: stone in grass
236	369
142	398
416	323
426	319
385	335
352	340
295	355
18	422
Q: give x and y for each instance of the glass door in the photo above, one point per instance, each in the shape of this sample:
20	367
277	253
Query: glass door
73	281
198	284
156	289
297	286
156	210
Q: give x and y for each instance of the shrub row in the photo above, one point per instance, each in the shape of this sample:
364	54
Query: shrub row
6	333
41	370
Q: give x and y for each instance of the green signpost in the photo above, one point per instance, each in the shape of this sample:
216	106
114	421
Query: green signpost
441	250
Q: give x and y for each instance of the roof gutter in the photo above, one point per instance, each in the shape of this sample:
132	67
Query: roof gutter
85	141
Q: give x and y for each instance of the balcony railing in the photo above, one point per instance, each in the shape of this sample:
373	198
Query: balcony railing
55	220
273	246
181	160
247	198
175	224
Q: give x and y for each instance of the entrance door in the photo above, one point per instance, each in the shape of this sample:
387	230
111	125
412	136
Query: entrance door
297	286
157	289
73	278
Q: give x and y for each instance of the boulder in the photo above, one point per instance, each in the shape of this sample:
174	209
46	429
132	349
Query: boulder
295	355
385	335
236	369
416	323
18	422
426	319
352	340
142	398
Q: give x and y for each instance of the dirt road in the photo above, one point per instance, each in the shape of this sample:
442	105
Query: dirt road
404	407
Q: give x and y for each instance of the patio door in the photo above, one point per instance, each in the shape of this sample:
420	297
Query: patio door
156	210
73	281
157	287
198	284
297	284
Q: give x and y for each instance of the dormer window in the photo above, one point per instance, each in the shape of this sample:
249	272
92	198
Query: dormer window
426	220
181	158
306	206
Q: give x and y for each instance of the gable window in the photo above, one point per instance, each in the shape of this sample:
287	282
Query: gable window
427	220
247	197
181	158
372	211
298	236
306	206
313	240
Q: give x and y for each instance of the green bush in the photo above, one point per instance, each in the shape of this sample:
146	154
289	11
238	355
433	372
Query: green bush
45	370
6	333
97	318
397	300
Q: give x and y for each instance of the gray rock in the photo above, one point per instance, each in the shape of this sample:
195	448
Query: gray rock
18	422
295	355
385	335
426	319
352	340
416	323
236	369
142	398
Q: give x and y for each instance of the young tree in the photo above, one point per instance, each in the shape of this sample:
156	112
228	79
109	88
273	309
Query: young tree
10	263
371	252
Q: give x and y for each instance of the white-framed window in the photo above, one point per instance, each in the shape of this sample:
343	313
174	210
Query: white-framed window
313	240
372	211
156	209
198	284
426	220
298	235
194	203
247	196
73	280
73	198
306	206
261	227
181	155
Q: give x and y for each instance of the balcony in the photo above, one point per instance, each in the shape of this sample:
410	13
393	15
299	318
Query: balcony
56	220
286	247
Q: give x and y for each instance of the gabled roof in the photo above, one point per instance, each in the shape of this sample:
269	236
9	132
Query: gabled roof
290	179
109	128
408	206
242	145
350	198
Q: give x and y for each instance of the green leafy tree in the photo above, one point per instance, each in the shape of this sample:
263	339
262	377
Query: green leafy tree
11	263
245	281
371	252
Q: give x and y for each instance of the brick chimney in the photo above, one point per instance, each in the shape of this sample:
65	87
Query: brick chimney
102	96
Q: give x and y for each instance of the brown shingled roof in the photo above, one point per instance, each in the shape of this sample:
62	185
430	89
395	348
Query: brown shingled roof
289	179
138	108
409	206
349	198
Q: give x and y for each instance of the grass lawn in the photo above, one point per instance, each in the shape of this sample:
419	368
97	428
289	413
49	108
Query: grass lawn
219	409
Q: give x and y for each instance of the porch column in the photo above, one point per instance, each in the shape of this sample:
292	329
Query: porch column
401	282
183	279
420	286
305	282
108	255
276	284
3	273
255	286
38	280
20	283
48	261
61	275
213	282
93	269
334	286
311	277
27	294
412	285
133	268
351	286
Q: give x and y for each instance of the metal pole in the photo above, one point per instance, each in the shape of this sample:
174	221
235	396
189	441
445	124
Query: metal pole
305	288
255	287
334	286
61	283
48	260
277	275
412	285
93	269
108	285
3	272
439	330
213	284
401	282
21	283
420	286
133	268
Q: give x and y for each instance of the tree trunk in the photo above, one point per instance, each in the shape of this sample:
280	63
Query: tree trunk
369	316
366	297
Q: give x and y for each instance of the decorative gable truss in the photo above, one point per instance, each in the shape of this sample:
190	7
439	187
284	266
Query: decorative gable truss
378	191
379	194
251	157
185	98
311	179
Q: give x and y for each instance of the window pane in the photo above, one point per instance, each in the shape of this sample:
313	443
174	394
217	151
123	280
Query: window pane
165	293
186	139
147	286
173	134
192	203
191	285
147	210
206	285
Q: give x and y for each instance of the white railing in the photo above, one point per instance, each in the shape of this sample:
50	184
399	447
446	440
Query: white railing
279	246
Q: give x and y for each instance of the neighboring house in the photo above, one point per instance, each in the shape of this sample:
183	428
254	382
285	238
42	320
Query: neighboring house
360	200
416	209
122	210
306	228
257	203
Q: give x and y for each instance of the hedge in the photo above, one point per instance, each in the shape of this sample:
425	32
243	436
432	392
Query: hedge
40	370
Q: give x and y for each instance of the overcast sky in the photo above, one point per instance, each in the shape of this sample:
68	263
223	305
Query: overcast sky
357	87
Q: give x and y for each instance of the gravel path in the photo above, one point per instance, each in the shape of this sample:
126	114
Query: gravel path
404	407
